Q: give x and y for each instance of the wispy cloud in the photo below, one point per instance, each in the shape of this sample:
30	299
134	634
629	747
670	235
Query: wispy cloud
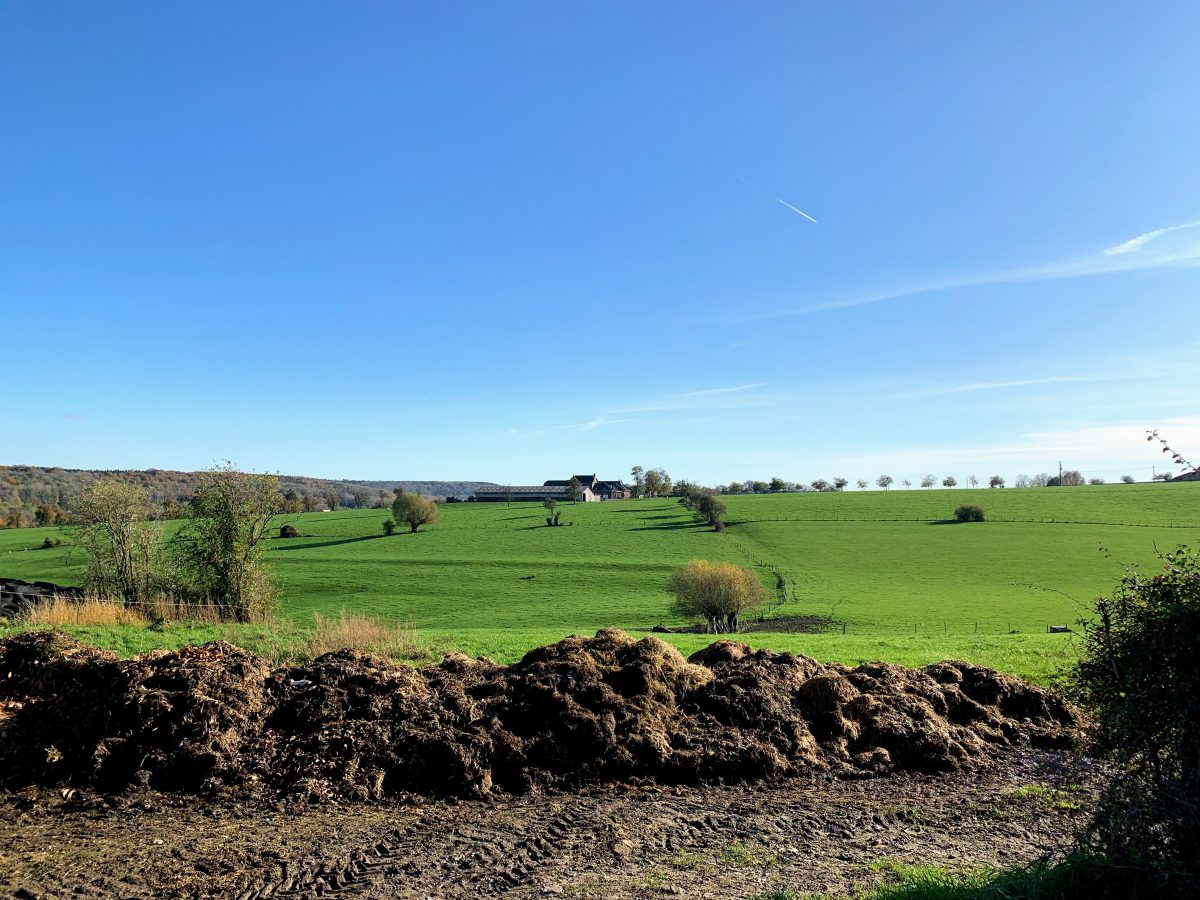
1174	245
1135	244
1016	383
793	209
708	392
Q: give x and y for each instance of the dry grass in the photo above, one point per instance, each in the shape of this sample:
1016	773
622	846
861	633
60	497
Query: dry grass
354	631
57	613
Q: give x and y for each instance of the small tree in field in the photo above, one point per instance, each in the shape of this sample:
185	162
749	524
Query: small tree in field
1127	479
949	481
219	550
884	481
862	484
574	490
840	483
414	510
907	484
552	512
122	550
717	592
712	509
927	481
972	481
996	481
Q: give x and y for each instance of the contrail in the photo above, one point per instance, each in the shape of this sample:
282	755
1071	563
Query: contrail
793	209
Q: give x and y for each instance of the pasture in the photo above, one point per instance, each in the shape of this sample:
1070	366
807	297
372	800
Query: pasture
901	583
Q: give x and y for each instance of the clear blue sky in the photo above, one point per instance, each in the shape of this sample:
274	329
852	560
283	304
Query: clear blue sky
514	241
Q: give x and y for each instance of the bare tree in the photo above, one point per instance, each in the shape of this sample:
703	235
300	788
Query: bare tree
972	481
907	484
862	484
122	549
928	481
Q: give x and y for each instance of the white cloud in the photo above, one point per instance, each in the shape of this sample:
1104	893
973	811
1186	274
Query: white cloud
1132	255
1002	385
1135	244
1102	449
707	392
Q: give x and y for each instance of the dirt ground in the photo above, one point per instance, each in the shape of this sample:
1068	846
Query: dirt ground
810	833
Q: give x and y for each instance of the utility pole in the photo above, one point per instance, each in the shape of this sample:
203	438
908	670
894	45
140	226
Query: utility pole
1060	484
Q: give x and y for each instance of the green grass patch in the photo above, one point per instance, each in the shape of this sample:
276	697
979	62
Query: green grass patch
493	579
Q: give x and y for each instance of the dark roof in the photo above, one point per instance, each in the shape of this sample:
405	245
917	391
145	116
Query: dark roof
611	486
520	489
587	481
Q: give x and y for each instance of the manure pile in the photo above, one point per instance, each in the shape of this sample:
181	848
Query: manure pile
583	711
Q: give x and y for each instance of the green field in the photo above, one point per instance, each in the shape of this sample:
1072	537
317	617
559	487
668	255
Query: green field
491	578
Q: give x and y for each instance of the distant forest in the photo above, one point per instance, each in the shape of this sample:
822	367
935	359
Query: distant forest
34	495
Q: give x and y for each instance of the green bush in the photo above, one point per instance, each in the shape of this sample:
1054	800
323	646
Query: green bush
967	513
289	531
389	527
1138	676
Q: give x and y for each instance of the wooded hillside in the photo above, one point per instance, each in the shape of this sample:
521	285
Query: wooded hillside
23	489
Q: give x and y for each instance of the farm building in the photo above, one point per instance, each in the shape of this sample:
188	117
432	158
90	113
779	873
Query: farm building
591	489
594	489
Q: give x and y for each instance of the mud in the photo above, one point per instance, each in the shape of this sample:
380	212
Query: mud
585	711
811	833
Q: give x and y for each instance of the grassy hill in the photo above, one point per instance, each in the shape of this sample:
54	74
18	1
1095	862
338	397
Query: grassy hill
490	578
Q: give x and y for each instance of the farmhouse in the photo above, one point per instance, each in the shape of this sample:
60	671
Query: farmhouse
591	490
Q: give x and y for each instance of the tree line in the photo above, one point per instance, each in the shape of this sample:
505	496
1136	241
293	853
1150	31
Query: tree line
36	496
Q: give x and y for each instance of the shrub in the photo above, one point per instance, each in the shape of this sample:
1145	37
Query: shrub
218	552
1138	676
717	592
389	527
289	531
967	513
51	543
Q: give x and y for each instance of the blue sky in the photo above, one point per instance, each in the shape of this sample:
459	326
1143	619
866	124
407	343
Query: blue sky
512	241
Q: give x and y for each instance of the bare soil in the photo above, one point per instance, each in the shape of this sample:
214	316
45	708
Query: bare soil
810	833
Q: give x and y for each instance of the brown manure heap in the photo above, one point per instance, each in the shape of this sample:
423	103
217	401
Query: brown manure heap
583	711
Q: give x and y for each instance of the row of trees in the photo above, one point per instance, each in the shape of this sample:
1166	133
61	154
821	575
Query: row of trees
651	482
703	501
778	485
